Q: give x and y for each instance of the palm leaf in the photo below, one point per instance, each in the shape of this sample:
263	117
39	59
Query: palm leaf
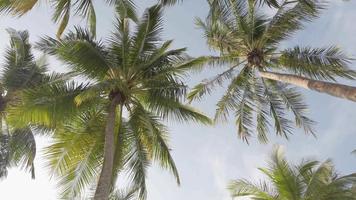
319	63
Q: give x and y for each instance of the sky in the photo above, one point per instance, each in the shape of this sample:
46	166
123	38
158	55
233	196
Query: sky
208	157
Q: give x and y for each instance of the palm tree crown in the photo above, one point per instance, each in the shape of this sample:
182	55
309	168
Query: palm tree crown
248	42
20	72
135	81
309	180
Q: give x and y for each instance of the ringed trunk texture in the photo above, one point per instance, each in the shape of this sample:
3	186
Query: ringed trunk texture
102	191
334	89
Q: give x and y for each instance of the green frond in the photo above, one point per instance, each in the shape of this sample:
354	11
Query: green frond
78	49
76	153
244	115
317	177
269	3
169	2
172	110
61	14
262	110
137	163
232	96
47	105
317	63
241	188
95	91
289	19
282	124
207	86
154	136
284	177
294	101
122	148
148	33
20	69
126	9
127	194
17	149
17	7
219	37
23	149
92	20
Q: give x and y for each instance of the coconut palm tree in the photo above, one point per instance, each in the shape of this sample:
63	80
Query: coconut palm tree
133	74
63	9
260	73
308	180
19	72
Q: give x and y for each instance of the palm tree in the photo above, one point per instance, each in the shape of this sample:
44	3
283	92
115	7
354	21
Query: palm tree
133	75
308	180
19	72
260	72
64	8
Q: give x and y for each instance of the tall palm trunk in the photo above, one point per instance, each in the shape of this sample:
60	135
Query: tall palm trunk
104	184
337	90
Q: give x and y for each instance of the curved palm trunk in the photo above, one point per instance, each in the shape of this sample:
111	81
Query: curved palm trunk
334	89
102	191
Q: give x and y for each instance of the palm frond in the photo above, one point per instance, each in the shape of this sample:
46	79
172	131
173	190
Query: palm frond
17	7
75	156
241	188
20	70
80	52
294	101
244	109
61	14
262	110
277	106
137	163
23	149
154	136
86	9
169	2
126	9
317	63
284	177
127	194
269	3
232	96
148	32
47	105
288	19
207	86
174	110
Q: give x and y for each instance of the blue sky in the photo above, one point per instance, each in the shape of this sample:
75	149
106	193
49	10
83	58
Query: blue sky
208	157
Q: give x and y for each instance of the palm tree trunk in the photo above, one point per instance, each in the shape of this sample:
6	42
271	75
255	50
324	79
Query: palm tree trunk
102	191
334	89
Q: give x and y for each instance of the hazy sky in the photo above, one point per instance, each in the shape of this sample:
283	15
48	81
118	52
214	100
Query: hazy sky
208	157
